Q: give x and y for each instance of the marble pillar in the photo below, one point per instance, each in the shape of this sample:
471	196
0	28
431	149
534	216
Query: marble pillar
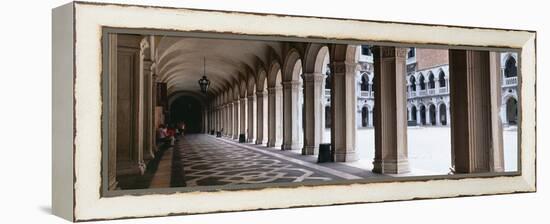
391	155
343	108
236	118
313	111
275	116
291	127
251	118
261	118
474	86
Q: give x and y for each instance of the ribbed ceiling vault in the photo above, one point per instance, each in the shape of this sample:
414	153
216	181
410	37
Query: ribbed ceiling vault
180	61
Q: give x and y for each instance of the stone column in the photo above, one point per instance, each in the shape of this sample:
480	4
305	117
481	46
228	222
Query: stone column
428	117
140	146
475	136
291	139
274	124
261	118
343	108
243	118
251	131
229	119
236	117
313	106
391	154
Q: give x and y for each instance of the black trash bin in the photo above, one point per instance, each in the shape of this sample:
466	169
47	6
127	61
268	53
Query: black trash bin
219	134
325	153
212	132
242	138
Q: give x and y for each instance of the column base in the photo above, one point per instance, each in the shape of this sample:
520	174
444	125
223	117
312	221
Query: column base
290	147
260	142
345	157
235	136
310	150
149	155
391	166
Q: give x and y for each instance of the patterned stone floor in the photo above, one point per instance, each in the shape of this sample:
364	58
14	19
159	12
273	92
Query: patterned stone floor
201	160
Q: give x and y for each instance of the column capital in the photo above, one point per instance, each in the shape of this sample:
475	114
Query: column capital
343	67
260	93
313	77
273	90
251	97
390	52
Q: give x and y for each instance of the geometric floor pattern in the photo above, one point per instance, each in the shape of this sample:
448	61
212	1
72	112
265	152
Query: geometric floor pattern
201	160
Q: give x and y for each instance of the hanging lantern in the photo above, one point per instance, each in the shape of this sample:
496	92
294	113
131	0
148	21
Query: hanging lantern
204	83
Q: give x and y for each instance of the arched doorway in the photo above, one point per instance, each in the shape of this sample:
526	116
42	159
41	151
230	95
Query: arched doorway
188	110
512	111
422	115
364	116
443	114
432	115
413	113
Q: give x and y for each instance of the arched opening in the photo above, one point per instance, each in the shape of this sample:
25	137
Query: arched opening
443	114
292	102
364	82
422	82
422	115
510	69
413	113
188	110
364	116
442	82
432	115
431	81
413	83
512	111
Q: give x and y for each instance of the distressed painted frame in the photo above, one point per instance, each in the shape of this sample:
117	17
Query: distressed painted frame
77	94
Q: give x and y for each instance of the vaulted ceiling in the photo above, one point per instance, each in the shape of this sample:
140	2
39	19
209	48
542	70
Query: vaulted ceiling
180	61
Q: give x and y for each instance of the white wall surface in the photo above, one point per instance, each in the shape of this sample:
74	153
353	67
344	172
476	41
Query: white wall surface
25	115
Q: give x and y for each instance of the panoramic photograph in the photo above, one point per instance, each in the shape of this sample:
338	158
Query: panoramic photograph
214	111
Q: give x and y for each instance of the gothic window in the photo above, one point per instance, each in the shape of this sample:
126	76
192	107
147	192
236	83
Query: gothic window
365	50
431	81
411	53
510	70
364	82
422	83
442	82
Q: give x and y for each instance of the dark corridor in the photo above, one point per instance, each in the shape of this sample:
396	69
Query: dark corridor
188	110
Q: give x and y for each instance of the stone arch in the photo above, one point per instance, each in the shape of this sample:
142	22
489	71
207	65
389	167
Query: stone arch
292	66
315	57
274	77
